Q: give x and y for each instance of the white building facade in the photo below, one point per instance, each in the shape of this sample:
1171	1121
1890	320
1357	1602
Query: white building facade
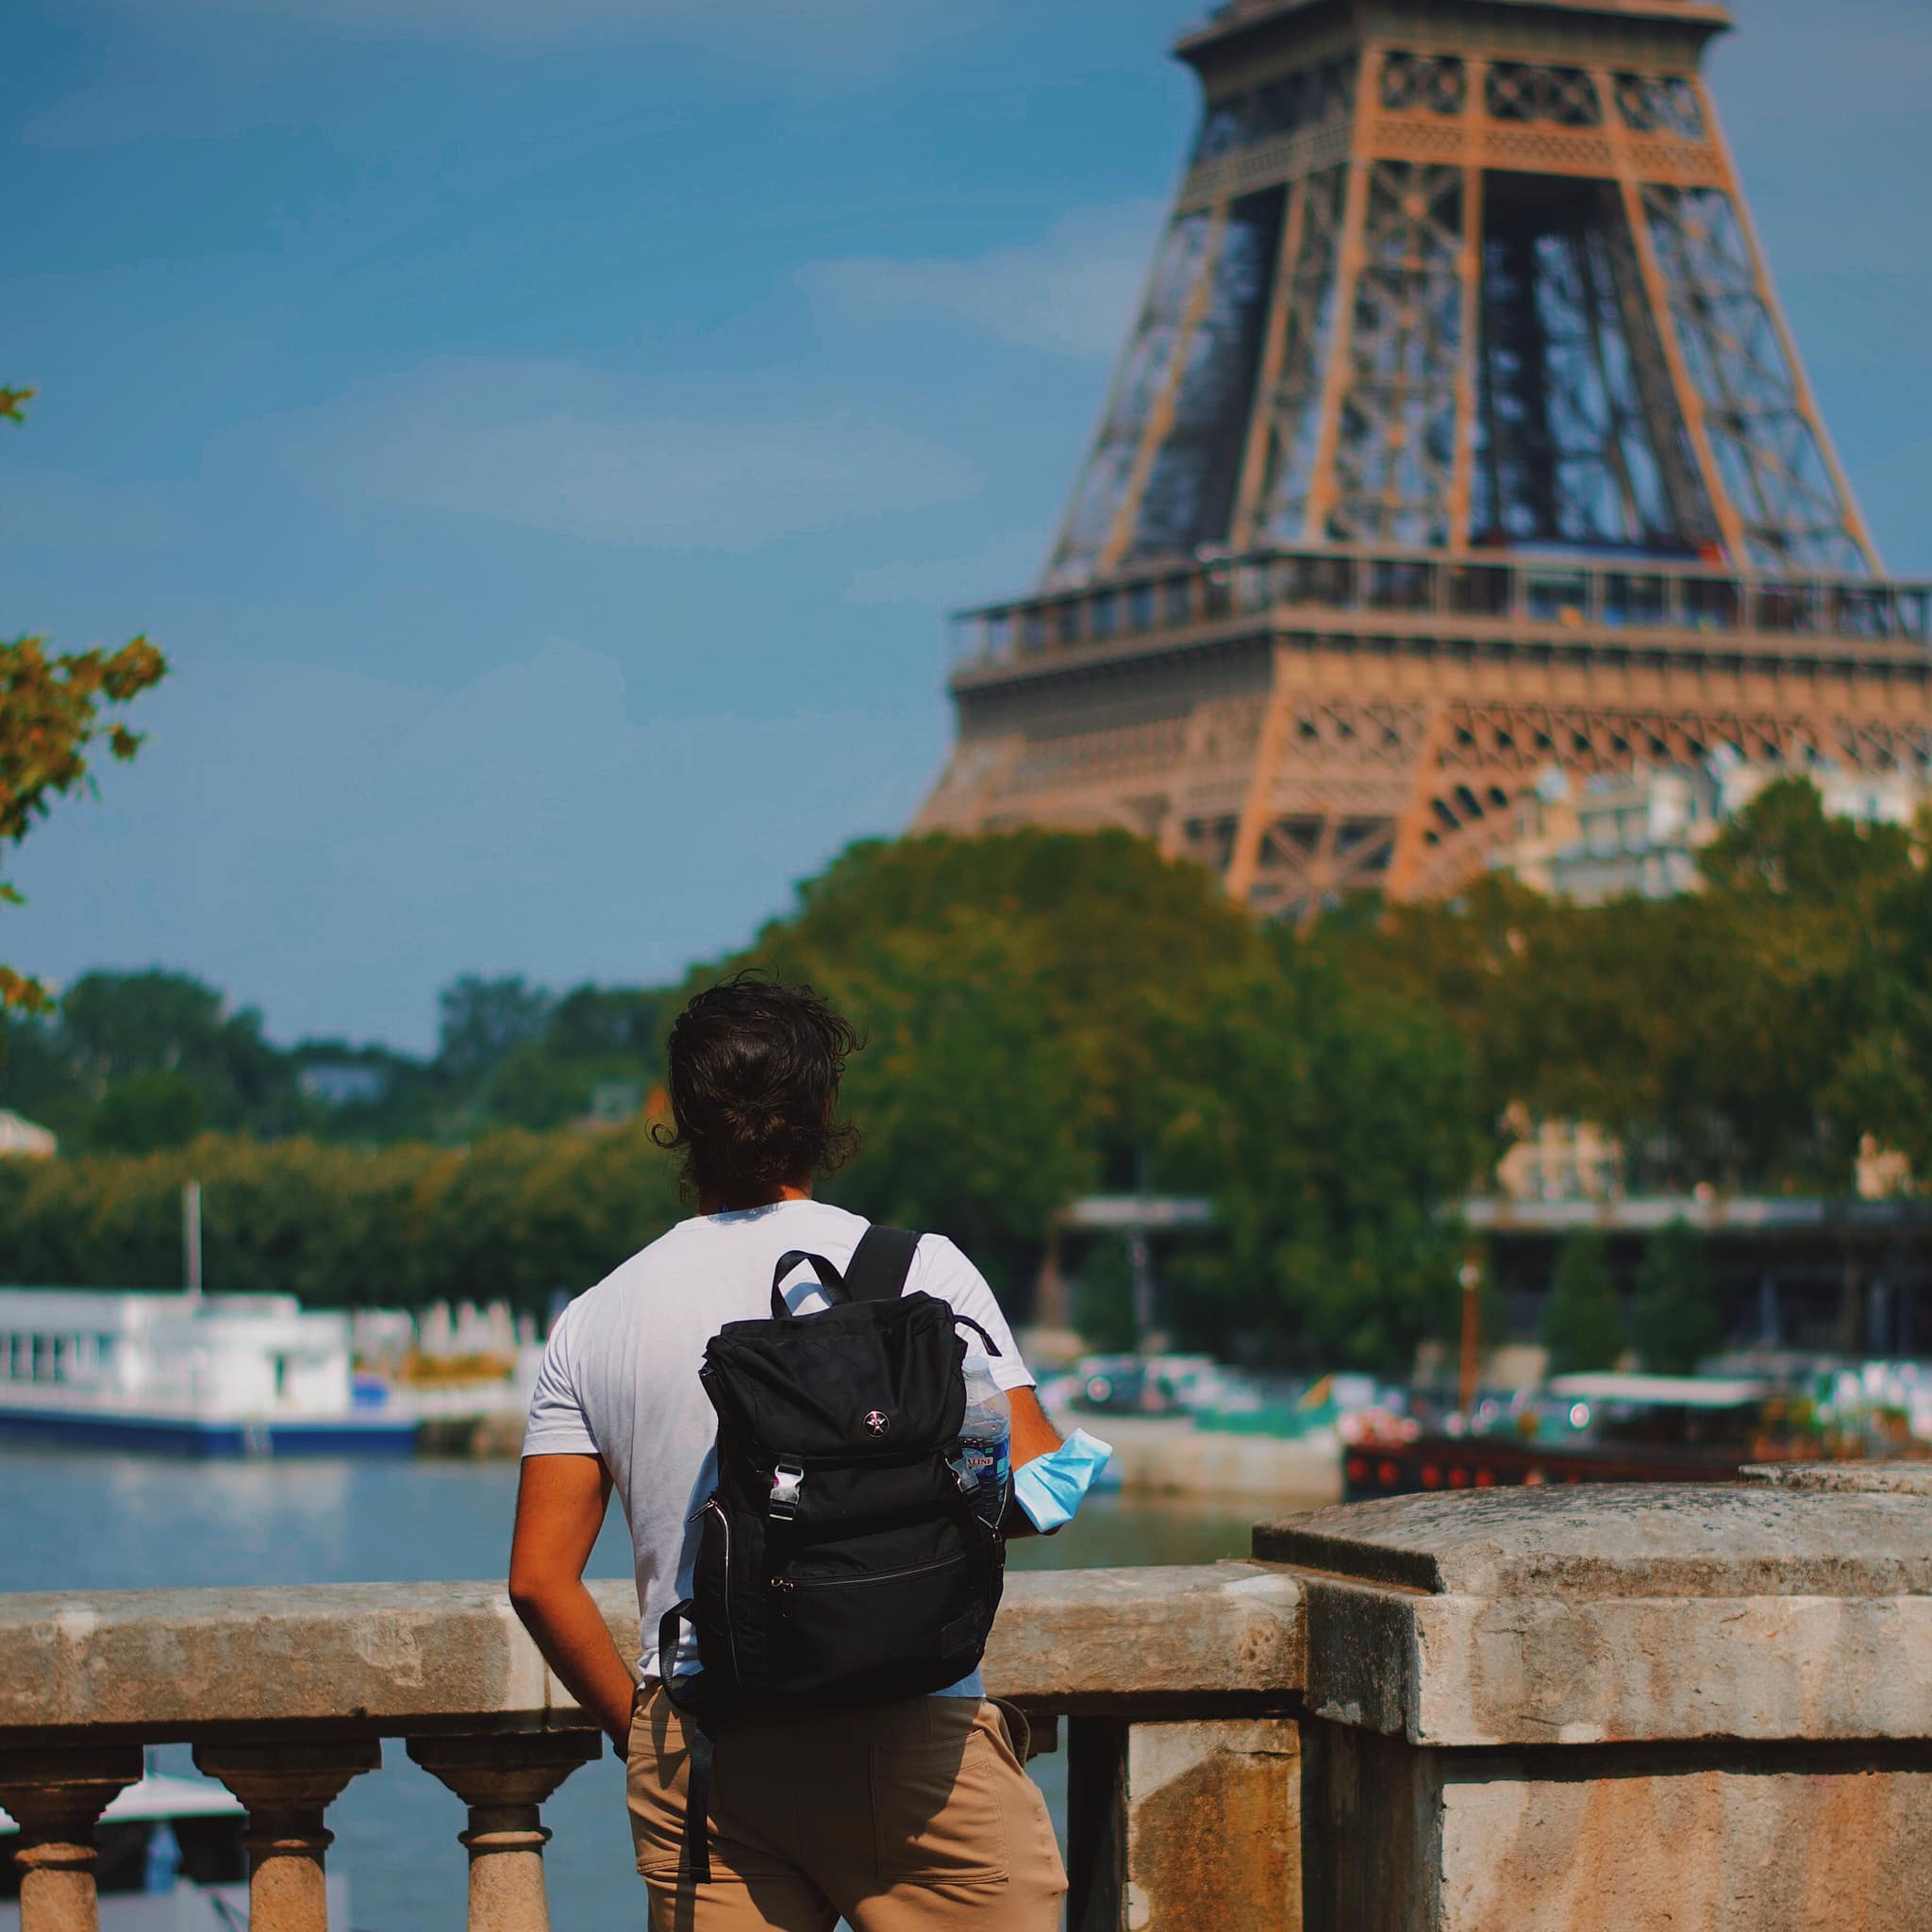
1640	833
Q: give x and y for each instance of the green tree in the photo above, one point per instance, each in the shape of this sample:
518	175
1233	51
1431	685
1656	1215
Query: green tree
37	1077
1673	1320
1784	845
620	1023
1745	1035
144	1113
113	1026
1582	1327
1333	1124
1104	1296
977	1116
1011	991
594	1037
483	1019
53	710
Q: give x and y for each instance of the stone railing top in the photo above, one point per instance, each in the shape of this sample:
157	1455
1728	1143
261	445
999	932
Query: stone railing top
394	1658
1868	1478
1652	1539
1508	1617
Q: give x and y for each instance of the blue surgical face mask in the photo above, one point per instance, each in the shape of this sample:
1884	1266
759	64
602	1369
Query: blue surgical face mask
1049	1488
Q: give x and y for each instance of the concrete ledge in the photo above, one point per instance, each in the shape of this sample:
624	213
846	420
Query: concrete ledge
174	1663
1463	1672
1602	1539
1104	1640
1867	1478
394	1658
1608	1614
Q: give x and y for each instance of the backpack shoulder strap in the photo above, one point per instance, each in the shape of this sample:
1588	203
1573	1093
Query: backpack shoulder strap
880	1263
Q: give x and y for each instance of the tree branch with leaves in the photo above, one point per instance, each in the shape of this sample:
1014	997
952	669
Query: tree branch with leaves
55	709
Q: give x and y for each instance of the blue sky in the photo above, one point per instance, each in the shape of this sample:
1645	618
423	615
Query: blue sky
545	434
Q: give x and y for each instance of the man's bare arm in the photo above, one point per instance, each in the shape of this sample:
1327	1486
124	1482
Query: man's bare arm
561	1505
1033	1435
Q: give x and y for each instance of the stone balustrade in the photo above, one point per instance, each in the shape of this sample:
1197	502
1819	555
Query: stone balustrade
1538	1708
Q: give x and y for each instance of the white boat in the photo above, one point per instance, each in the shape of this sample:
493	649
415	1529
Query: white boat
170	1860
210	1374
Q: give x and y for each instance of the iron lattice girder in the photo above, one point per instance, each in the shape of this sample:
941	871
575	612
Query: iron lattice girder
1771	453
1459	435
1403	772
1582	441
1386	179
1395	448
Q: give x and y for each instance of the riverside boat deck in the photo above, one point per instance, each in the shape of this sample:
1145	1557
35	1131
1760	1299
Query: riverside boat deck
193	1374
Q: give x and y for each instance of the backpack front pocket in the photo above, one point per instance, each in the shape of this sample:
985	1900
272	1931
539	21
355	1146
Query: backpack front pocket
899	1632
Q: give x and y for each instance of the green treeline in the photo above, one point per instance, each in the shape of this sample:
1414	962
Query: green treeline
1047	1015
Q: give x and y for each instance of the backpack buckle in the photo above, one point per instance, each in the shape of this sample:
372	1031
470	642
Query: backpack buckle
788	1478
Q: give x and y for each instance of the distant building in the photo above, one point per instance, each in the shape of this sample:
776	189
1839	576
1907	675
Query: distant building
1560	1161
613	1102
1639	833
24	1140
343	1083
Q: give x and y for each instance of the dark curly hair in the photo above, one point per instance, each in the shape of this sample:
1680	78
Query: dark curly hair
754	1070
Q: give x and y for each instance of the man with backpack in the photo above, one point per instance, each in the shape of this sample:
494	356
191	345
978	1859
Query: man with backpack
816	1503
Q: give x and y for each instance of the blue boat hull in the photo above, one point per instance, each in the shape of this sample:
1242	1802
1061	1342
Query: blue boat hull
181	1436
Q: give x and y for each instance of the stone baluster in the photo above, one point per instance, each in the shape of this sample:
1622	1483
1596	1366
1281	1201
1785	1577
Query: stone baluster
287	1789
504	1778
1184	1823
55	1797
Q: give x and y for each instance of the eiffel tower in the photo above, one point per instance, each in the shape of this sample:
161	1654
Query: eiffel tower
1460	436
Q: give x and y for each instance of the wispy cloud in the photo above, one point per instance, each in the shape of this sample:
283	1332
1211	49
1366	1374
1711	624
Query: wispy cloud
553	447
192	69
740	23
1071	290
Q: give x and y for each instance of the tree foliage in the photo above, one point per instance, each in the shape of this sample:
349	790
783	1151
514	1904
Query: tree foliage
516	1215
1015	992
1673	1320
1047	1015
1582	1325
54	709
1333	1124
1748	1035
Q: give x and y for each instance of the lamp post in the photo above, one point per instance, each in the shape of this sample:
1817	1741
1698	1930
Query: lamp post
1471	1276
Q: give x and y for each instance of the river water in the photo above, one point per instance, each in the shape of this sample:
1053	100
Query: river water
87	1521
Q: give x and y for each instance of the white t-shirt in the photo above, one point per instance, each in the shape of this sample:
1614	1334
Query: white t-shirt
620	1376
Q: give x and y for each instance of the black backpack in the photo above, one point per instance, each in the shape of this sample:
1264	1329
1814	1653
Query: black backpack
841	1560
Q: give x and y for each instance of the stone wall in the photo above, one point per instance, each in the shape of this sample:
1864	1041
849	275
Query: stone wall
1545	1710
1613	1709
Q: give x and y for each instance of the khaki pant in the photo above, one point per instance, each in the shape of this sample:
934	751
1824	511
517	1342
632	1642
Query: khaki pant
914	1815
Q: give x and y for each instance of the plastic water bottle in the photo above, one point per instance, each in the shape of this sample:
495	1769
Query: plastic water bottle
985	1464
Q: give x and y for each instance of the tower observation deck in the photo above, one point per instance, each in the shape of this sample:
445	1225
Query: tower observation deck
1459	435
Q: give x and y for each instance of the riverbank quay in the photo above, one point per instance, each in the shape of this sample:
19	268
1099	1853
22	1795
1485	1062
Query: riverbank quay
1581	1708
1152	1455
1168	1455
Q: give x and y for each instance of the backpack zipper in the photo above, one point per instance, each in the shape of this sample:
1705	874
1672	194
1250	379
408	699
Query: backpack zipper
876	1577
730	1628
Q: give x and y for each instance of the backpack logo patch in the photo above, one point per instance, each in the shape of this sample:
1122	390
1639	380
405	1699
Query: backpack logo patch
877	1421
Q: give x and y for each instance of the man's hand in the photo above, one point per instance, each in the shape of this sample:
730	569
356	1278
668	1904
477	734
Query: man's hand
561	1505
1033	1435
